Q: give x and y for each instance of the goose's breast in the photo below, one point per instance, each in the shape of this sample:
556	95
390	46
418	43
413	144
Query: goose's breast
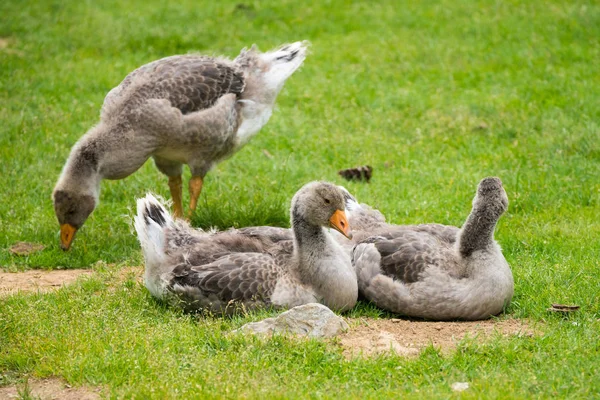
251	123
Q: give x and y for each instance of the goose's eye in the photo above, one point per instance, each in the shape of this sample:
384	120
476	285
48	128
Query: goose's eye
327	201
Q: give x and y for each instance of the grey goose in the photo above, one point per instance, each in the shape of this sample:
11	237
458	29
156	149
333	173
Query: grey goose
222	272
185	109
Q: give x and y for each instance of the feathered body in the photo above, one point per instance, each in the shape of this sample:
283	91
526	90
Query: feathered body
187	109
435	271
252	267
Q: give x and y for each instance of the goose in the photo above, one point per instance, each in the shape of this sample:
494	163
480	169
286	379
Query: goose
223	272
435	271
185	109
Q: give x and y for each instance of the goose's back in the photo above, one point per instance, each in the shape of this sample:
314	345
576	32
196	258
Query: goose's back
189	82
206	248
268	234
444	233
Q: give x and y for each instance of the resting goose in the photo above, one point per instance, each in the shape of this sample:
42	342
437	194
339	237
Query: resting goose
186	109
257	267
439	272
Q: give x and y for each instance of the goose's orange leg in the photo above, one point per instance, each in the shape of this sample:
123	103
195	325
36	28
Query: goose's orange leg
195	189
175	187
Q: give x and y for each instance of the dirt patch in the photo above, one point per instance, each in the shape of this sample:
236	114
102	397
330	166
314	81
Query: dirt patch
44	281
6	45
25	248
4	42
38	280
46	389
405	337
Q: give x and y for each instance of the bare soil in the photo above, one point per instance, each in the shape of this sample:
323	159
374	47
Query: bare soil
369	337
38	280
48	389
4	42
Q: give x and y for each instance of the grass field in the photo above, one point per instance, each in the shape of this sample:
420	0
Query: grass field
434	95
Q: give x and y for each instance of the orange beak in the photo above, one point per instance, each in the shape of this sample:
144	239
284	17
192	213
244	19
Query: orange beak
67	233
339	222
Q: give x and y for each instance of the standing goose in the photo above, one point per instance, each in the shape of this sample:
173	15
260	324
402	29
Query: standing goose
439	272
186	109
220	272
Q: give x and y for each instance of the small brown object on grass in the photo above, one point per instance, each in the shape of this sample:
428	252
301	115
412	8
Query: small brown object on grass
362	173
563	308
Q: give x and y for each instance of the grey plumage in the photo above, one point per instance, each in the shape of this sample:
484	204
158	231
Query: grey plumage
187	109
435	271
251	267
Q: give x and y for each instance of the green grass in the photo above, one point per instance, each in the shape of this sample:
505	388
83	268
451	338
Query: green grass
434	95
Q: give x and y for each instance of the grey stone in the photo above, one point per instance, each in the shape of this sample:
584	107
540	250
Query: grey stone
313	320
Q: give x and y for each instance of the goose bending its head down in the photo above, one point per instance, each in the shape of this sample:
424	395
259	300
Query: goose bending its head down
439	272
187	109
252	267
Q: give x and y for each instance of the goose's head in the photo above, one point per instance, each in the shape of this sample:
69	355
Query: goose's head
72	209
321	204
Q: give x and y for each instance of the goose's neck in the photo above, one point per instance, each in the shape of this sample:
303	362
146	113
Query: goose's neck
311	242
324	265
477	233
80	173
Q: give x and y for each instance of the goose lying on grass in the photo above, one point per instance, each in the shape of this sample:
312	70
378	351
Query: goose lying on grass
435	271
257	267
187	109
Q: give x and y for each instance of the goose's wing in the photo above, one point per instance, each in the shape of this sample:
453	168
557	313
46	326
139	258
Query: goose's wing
408	255
232	277
189	82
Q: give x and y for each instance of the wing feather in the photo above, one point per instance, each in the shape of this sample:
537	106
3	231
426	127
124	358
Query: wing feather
234	277
407	254
190	82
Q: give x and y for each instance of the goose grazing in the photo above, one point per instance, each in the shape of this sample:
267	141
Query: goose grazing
186	109
254	267
440	272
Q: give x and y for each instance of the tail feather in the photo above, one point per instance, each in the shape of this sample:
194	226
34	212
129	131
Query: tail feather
284	61
150	222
